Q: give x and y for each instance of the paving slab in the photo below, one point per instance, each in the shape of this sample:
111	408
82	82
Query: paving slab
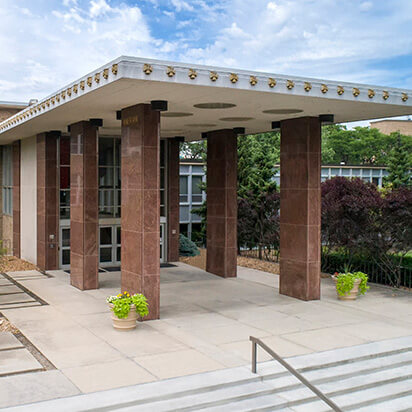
19	305
10	288
9	341
17	360
102	376
15	298
35	387
187	362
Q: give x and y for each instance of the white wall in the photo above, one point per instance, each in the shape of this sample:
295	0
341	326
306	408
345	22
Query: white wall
28	200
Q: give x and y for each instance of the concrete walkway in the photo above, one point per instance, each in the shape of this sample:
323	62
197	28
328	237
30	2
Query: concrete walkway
205	325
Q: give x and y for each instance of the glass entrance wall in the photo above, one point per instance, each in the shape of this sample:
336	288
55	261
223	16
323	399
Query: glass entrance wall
109	201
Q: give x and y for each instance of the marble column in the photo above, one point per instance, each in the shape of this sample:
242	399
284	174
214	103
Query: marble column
300	207
16	197
173	200
84	220
221	230
141	204
47	201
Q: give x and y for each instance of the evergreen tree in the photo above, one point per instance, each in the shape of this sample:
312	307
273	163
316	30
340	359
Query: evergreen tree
399	166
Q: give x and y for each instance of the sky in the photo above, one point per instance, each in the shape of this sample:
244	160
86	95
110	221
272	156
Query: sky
45	44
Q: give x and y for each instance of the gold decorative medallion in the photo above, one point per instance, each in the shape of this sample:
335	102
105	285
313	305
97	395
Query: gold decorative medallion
89	81
271	82
97	78
213	76
340	90
105	73
234	77
371	93
253	80
52	100
192	74
385	95
69	92
115	69
57	98
82	83
290	84
307	86
43	105
63	95
130	120
48	103
147	68
75	88
170	71
324	88
355	91
404	97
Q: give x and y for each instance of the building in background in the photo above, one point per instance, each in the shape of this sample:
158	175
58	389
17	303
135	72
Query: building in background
389	126
191	196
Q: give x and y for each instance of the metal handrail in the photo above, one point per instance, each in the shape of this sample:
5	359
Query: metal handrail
293	371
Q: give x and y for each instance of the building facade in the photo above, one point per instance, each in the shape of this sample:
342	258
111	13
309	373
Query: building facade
95	167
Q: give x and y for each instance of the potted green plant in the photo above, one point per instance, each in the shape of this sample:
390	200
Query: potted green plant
349	285
125	309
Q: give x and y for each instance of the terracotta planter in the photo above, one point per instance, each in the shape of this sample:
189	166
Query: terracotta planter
353	294
127	323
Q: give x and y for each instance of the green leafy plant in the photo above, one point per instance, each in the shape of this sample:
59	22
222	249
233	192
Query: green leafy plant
345	282
187	247
123	301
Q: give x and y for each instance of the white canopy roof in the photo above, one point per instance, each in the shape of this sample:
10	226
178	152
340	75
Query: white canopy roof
201	98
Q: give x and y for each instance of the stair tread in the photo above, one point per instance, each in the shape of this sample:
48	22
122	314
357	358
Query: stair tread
347	354
208	398
354	383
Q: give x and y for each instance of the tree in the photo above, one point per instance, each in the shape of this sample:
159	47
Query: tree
259	200
194	150
399	165
349	207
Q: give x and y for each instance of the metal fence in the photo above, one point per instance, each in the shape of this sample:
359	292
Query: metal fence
399	276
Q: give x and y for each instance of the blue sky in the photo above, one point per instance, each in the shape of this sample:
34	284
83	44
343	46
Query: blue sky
45	43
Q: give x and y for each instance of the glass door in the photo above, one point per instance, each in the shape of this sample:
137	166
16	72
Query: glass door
64	252
109	245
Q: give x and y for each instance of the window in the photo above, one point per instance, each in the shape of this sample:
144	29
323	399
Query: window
184	228
162	178
7	189
376	181
64	149
184	193
196	189
109	177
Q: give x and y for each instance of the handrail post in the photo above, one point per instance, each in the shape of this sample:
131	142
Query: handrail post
292	370
254	357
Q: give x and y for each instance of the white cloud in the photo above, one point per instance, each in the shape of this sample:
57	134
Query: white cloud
42	49
99	7
182	5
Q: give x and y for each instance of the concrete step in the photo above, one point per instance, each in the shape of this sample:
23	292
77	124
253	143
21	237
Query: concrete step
290	393
362	377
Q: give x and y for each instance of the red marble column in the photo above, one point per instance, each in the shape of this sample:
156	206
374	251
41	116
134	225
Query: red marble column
173	200
141	204
84	220
47	201
221	227
16	198
300	163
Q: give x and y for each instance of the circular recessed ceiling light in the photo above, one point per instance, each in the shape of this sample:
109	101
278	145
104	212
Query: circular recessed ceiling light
176	114
282	111
200	125
236	119
214	105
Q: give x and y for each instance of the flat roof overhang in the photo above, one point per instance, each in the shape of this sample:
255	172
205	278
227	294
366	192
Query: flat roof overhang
127	81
